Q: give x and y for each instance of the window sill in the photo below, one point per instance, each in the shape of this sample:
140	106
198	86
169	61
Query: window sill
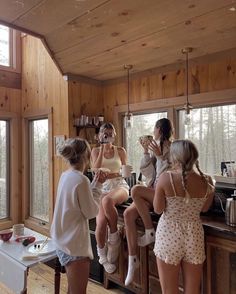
38	226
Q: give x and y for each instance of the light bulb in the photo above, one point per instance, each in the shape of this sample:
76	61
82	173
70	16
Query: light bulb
187	119
128	121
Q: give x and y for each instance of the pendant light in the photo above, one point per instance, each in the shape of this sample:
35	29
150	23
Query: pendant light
128	120
188	107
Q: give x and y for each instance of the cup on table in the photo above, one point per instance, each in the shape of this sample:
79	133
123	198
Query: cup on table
18	229
126	171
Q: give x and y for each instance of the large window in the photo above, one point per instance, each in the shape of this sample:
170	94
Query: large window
4	46
4	168
39	169
143	125
213	130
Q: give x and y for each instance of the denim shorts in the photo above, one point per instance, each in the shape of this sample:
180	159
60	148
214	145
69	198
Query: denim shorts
66	258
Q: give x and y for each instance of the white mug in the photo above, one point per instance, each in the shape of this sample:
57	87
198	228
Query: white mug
126	171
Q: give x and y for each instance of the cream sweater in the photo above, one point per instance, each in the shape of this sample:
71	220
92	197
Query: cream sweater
77	202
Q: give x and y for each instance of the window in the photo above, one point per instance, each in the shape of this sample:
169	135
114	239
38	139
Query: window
213	130
39	169
4	169
4	46
143	125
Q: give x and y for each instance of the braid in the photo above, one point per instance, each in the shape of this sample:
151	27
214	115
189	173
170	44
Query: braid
200	172
184	178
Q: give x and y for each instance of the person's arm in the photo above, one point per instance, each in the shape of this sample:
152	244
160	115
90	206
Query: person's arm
96	156
89	197
159	201
123	155
210	195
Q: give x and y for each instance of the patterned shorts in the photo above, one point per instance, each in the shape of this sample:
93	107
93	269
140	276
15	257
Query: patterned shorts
114	183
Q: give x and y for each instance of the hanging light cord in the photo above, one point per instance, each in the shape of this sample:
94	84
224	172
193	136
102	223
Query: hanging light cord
187	78
128	89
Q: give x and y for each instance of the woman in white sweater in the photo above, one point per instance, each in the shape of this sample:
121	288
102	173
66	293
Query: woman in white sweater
77	202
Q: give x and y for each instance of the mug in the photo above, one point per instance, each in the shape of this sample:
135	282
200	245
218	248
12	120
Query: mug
126	171
146	139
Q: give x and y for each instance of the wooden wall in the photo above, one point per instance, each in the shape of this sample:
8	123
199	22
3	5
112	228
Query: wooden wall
84	98
147	86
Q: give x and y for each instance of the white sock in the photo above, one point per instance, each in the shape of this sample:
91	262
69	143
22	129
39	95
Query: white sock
147	238
132	266
102	253
113	237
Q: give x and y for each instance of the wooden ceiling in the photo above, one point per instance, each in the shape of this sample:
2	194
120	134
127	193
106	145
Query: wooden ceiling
95	38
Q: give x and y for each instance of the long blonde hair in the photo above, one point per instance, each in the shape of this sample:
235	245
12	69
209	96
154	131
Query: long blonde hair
185	153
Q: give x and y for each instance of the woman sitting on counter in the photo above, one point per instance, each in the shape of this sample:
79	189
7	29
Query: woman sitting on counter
115	191
154	162
180	196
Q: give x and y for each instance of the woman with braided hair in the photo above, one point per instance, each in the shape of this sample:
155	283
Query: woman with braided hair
181	195
154	162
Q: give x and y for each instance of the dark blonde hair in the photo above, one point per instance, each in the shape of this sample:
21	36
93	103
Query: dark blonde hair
166	130
185	153
75	150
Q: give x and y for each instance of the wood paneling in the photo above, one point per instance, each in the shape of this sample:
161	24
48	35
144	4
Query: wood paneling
96	38
10	79
207	77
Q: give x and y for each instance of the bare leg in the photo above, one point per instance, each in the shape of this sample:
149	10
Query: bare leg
192	274
77	275
169	277
130	216
143	199
101	228
109	202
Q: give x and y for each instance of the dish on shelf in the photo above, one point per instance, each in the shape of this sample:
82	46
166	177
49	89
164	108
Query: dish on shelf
41	247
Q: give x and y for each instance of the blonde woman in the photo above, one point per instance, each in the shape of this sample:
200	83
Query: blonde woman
181	195
115	191
77	202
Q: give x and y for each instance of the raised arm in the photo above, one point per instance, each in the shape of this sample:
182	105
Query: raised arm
96	156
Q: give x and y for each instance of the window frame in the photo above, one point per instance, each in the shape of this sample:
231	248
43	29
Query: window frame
14	176
31	222
172	105
14	51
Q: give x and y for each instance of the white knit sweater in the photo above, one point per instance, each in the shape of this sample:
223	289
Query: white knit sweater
77	202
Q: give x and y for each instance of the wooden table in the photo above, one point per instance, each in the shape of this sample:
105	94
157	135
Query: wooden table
14	270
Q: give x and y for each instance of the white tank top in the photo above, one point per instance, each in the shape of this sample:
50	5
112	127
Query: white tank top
114	163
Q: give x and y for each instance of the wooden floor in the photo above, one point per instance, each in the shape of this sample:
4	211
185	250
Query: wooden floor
41	281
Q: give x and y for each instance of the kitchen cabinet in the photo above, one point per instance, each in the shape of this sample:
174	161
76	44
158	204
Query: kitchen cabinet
220	269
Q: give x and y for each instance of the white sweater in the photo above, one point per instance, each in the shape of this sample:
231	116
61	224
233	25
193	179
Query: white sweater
77	202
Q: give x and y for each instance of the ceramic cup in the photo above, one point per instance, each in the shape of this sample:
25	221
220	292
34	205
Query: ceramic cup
126	171
18	229
146	139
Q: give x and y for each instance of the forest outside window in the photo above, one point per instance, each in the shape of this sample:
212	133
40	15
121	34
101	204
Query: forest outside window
143	125
213	130
4	170
39	169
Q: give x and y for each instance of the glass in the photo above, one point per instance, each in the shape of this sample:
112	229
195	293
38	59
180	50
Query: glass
4	46
39	172
143	124
213	130
4	169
